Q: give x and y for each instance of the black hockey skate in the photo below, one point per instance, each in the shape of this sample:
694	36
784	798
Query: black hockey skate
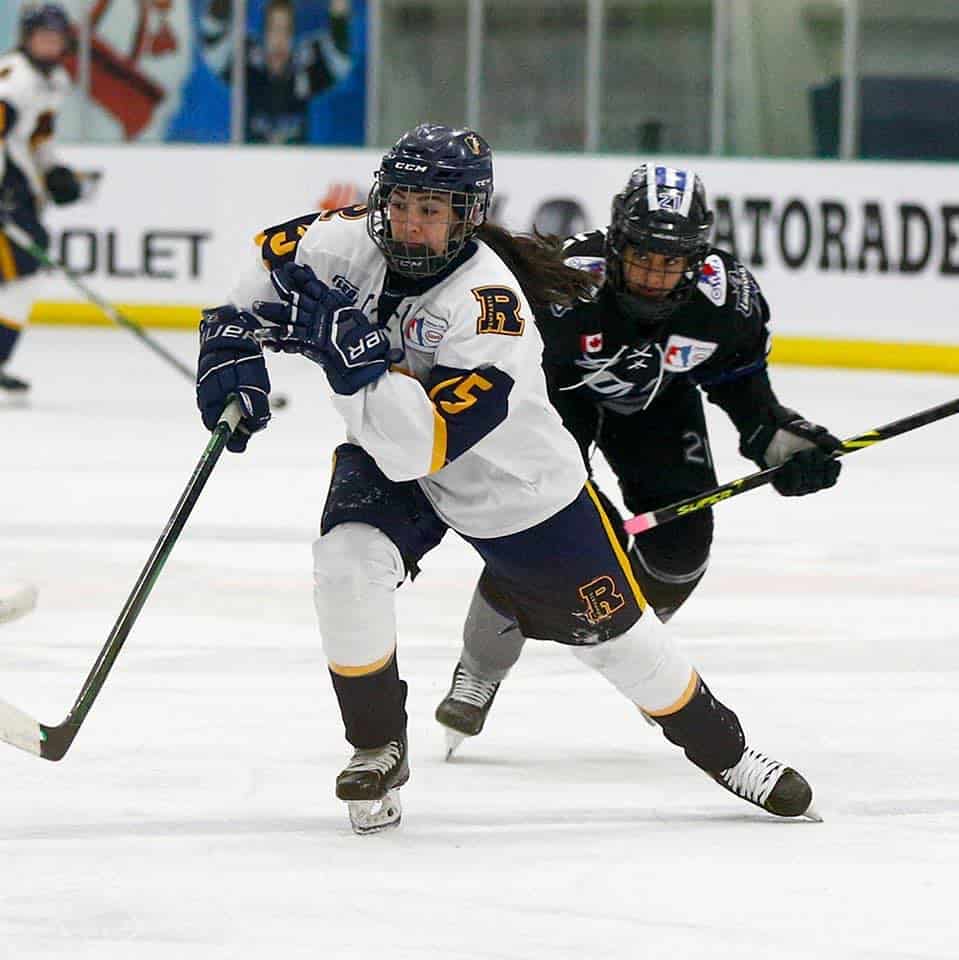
463	710
776	788
370	786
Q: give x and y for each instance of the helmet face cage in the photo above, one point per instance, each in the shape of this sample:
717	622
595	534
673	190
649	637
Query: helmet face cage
431	164
664	211
467	211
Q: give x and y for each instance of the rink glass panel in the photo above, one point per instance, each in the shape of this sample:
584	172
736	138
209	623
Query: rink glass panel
909	79
776	56
422	66
534	75
656	82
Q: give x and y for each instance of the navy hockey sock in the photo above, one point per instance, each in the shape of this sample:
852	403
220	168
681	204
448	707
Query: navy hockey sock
373	706
707	730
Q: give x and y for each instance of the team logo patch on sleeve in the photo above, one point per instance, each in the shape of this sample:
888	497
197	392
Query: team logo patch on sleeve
499	311
594	266
684	353
424	333
712	280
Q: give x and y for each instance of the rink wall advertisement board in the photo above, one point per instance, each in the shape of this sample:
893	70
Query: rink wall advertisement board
857	251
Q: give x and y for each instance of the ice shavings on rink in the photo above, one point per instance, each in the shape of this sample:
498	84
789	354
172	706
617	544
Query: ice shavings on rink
195	816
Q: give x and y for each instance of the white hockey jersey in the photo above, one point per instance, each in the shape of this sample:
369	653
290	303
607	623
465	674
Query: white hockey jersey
29	101
465	413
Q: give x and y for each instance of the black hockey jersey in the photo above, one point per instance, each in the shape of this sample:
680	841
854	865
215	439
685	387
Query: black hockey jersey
598	361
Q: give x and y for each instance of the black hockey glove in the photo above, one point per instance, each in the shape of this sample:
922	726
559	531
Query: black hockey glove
802	446
320	323
63	185
231	364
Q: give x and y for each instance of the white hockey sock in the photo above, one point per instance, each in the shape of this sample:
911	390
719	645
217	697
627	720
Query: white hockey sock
17	297
644	665
356	570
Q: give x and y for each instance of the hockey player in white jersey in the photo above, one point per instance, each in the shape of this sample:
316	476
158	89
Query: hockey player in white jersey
33	84
418	311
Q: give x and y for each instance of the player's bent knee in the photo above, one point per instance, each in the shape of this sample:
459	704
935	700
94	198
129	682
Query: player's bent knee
356	570
644	665
354	554
669	563
679	549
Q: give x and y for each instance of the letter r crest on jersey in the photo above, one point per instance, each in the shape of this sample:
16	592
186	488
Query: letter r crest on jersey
602	599
499	311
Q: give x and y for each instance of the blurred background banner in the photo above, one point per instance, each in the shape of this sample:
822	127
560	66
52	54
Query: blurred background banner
825	131
857	250
876	79
165	70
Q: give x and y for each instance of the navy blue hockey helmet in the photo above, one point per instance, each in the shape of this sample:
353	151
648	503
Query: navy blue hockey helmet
439	163
660	210
44	16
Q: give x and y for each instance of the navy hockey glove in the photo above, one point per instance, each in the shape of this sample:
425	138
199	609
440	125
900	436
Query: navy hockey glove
803	447
321	324
231	364
63	185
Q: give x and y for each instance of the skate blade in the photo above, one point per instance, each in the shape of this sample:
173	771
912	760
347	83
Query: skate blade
647	717
813	814
453	740
372	816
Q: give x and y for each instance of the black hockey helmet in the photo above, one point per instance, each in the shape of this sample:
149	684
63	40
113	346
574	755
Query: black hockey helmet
44	16
432	159
660	210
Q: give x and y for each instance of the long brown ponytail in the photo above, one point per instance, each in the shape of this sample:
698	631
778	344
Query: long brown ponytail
537	262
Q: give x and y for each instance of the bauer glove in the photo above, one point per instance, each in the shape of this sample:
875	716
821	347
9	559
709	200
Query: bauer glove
231	364
320	323
63	185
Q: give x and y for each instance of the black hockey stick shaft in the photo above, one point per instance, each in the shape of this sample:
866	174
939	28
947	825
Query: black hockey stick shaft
708	498
52	743
23	240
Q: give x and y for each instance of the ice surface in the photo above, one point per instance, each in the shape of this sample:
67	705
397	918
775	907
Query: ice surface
194	816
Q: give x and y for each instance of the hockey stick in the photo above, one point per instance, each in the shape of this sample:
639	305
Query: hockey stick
646	521
52	743
23	240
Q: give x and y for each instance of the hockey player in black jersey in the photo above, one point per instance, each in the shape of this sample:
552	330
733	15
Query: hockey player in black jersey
671	318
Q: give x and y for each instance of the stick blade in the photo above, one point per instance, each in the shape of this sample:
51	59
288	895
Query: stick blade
19	730
17	599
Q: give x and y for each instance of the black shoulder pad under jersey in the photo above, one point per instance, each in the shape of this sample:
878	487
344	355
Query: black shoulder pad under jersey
278	244
8	117
592	244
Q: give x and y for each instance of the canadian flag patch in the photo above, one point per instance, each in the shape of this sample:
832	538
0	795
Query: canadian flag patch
591	342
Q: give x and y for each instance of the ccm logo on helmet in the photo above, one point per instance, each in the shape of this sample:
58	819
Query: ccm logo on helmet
413	167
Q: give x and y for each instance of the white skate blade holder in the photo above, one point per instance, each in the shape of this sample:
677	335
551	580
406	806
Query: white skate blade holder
17	599
372	816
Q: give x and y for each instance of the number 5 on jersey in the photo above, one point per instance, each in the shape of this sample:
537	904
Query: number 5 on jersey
467	405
